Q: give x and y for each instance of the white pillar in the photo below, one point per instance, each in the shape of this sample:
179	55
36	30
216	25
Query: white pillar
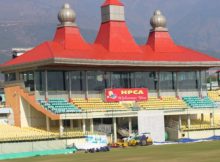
29	115
71	124
130	125
91	126
177	84
61	127
48	123
211	120
115	130
188	121
200	83
202	117
180	121
17	76
158	84
84	126
86	86
35	81
46	86
70	85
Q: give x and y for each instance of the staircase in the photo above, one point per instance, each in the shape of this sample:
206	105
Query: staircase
13	93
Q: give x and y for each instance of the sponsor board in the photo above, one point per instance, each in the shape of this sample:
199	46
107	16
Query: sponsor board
126	94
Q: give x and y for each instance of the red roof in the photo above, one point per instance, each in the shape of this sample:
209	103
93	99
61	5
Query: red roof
115	37
70	38
113	42
112	2
62	49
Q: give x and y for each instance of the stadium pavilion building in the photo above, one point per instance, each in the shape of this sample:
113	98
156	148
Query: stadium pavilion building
61	84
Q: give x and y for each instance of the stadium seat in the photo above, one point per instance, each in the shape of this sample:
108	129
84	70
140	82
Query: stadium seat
162	103
214	95
59	106
197	102
12	133
97	104
198	125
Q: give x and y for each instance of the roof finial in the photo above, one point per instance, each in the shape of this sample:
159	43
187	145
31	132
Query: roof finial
158	21
112	10
112	2
66	16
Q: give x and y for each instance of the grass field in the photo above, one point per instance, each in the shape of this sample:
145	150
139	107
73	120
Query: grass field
197	152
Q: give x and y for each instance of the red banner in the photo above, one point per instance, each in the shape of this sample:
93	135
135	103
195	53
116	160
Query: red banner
126	94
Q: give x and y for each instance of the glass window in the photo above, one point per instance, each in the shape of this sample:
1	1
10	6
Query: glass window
107	78
56	80
204	79
96	80
78	81
10	77
28	78
146	80
120	80
132	80
187	80
167	80
40	80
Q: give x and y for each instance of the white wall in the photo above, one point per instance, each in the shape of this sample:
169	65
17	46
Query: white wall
167	93
183	93
200	134
152	122
25	113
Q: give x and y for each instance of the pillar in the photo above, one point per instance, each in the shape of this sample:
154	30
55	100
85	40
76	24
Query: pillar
114	130
200	82
29	115
86	80
84	126
46	86
71	124
135	83
17	76
61	127
158	83
180	121
79	124
48	123
218	79
91	126
211	120
210	83
35	81
177	84
202	118
111	85
70	86
130	125
188	121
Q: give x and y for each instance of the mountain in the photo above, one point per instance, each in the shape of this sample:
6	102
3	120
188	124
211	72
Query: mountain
192	23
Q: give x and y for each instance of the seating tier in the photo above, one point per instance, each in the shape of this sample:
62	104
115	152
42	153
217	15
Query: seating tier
97	104
214	95
197	102
164	102
59	106
12	133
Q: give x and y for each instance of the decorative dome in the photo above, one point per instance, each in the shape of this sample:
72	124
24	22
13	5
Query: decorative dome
158	21
67	16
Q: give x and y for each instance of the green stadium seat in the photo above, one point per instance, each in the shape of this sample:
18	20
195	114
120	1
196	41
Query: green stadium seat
59	106
197	102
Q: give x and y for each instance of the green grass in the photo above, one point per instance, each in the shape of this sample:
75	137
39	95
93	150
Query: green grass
197	152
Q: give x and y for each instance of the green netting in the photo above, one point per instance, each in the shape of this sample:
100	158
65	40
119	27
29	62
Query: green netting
36	153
